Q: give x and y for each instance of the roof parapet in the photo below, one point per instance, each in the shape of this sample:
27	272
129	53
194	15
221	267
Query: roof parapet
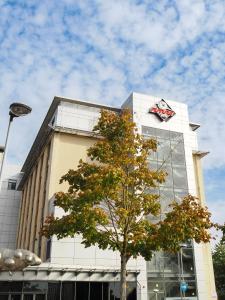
199	153
194	126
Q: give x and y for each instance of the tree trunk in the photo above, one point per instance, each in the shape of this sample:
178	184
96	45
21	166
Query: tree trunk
123	279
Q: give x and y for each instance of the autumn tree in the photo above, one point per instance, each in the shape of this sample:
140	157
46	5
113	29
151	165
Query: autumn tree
219	265
111	199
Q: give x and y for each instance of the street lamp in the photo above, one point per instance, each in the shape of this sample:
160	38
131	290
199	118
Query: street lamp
15	110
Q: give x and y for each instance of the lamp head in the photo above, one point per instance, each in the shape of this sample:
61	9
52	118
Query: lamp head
18	110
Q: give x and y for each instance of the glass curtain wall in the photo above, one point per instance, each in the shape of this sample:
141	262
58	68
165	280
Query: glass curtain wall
166	272
65	290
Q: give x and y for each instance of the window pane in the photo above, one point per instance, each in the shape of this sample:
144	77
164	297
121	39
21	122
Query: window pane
105	291
168	179
177	151
114	290
188	261
131	291
4	297
148	131
28	297
16	286
95	291
54	291
40	297
191	291
82	290
164	151
176	136
161	133
166	197
172	289
11	184
35	286
4	286
68	289
171	263
15	297
180	177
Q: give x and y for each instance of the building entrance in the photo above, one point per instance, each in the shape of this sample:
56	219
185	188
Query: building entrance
64	290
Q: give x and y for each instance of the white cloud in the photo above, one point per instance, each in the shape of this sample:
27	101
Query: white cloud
102	52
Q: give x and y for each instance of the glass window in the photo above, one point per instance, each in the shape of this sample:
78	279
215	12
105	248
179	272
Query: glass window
114	290
40	297
161	133
175	136
28	297
11	184
15	297
35	286
191	291
179	194
171	263
95	291
169	177
53	291
166	197
16	286
68	290
180	177
188	261
177	151
148	131
105	290
3	297
4	286
131	291
82	291
164	151
172	289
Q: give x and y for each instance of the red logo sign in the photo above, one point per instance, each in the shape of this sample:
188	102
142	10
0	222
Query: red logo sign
162	110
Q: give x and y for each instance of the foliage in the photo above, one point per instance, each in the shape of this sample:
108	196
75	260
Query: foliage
219	269
111	200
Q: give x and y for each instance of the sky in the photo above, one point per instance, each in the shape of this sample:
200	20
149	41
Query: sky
104	50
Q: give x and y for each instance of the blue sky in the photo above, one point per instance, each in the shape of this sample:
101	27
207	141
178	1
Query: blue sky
103	50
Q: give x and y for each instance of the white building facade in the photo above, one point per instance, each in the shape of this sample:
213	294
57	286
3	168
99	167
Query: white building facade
75	272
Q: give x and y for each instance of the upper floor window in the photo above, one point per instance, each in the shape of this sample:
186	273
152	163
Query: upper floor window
11	184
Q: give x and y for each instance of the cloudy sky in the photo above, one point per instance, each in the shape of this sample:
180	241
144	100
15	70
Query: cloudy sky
103	50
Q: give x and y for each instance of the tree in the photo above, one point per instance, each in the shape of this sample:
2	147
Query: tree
110	200
219	269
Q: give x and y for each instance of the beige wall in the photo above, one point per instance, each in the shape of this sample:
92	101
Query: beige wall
33	203
205	248
62	152
68	149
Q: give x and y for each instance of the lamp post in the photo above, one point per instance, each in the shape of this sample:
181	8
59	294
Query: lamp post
15	110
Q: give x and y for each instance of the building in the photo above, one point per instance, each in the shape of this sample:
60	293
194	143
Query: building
75	272
9	204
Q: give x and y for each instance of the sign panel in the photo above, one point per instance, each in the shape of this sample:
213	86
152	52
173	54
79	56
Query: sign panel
162	110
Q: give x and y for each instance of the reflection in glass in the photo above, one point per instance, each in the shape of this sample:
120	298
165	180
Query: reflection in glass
177	151
164	151
35	286
188	261
180	177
